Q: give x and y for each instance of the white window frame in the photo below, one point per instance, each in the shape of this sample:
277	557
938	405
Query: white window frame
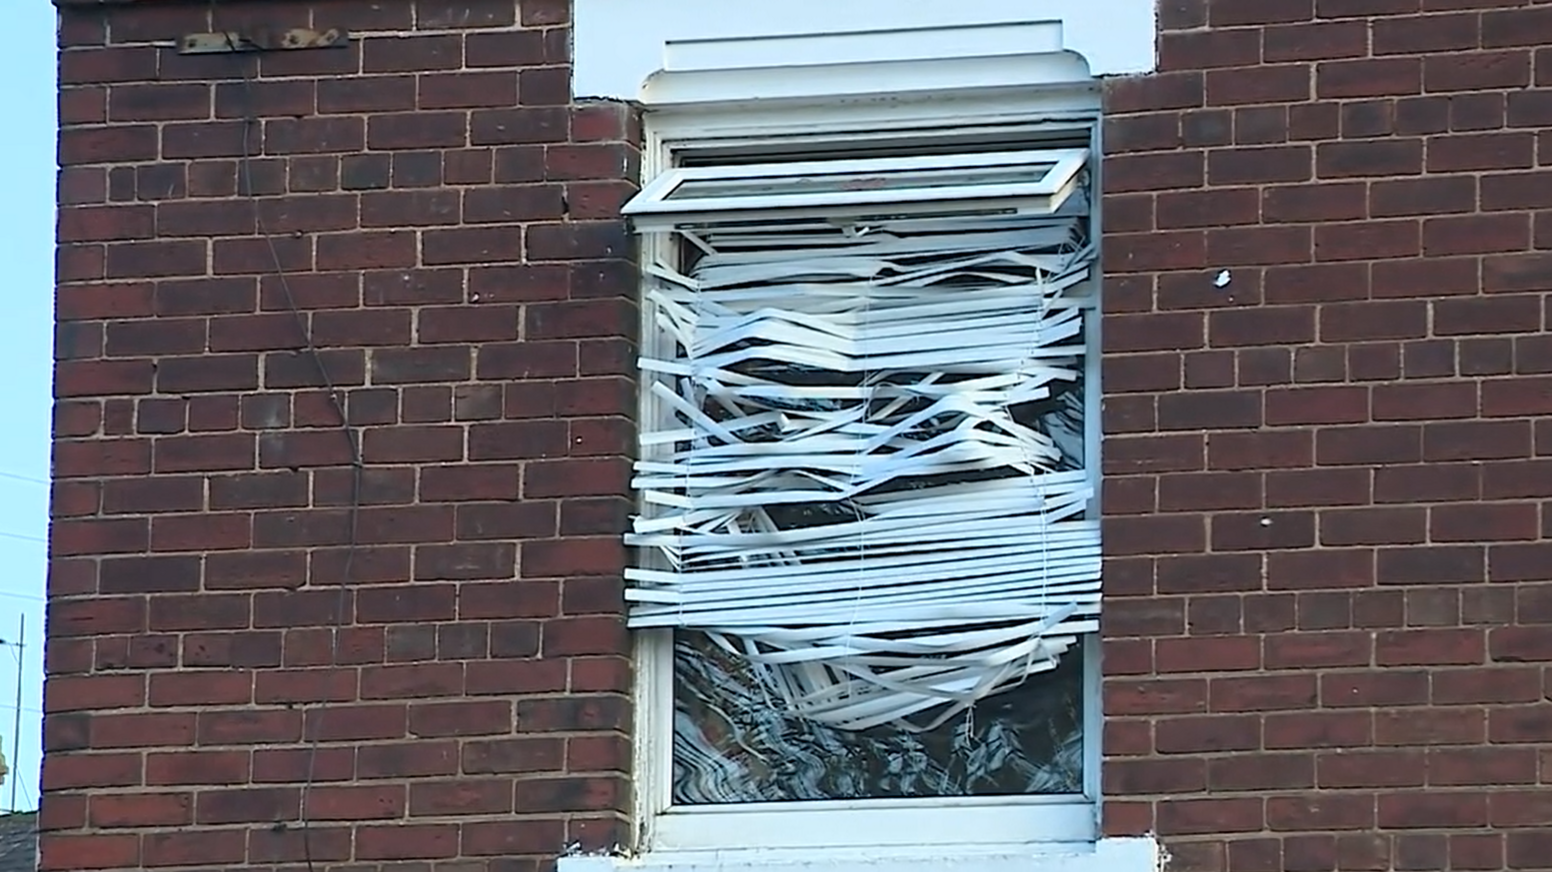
938	826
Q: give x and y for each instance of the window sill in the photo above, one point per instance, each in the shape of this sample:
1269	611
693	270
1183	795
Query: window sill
1136	854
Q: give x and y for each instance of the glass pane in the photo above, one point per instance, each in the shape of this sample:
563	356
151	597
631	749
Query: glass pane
736	739
871	180
733	743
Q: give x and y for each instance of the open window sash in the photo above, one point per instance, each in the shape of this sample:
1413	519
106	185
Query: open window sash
1028	182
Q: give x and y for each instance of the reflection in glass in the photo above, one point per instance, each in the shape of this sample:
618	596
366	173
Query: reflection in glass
870	180
732	743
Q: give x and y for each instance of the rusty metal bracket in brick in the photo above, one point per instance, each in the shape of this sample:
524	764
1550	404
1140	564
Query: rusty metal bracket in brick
230	41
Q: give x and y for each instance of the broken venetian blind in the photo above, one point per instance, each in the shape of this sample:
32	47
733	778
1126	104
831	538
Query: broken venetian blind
865	485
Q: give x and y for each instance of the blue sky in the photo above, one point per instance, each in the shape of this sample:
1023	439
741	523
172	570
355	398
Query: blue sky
27	251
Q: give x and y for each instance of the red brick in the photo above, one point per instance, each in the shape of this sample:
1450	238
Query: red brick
277	845
1263	245
1517	397
526	125
1476	71
1479	234
1529	108
1367	240
1368	78
1318	730
1456	809
1198	491
1317	487
412	53
1477	522
1325	568
1317	405
1398	319
417	130
1197	573
196	767
466	90
1451	726
1262	693
356	802
1476	440
141	810
1425	401
189	689
247	805
1341	8
1141	372
1261	84
406	842
1319	202
1186	816
1371	769
1318	650
1499	314
1210	410
512	754
1481	151
1389	688
1318	41
1422	196
1477	111
1292	163
1433	276
62	851
1424	34
511	837
1479	767
1515	27
461	798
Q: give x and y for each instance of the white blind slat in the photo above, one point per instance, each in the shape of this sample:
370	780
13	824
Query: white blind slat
849	489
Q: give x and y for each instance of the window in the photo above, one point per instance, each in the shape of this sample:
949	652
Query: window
868	575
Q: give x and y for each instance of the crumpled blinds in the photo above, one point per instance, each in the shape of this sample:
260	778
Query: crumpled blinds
867	473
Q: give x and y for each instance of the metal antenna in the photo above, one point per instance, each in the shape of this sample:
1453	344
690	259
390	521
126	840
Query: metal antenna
16	726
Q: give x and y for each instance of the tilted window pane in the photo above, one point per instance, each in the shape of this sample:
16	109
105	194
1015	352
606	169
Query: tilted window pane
876	180
1036	182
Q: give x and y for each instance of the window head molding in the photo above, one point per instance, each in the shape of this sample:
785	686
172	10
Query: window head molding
866	66
973	91
618	43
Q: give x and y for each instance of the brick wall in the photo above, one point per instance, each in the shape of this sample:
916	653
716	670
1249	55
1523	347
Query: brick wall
1328	571
448	229
1329	553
